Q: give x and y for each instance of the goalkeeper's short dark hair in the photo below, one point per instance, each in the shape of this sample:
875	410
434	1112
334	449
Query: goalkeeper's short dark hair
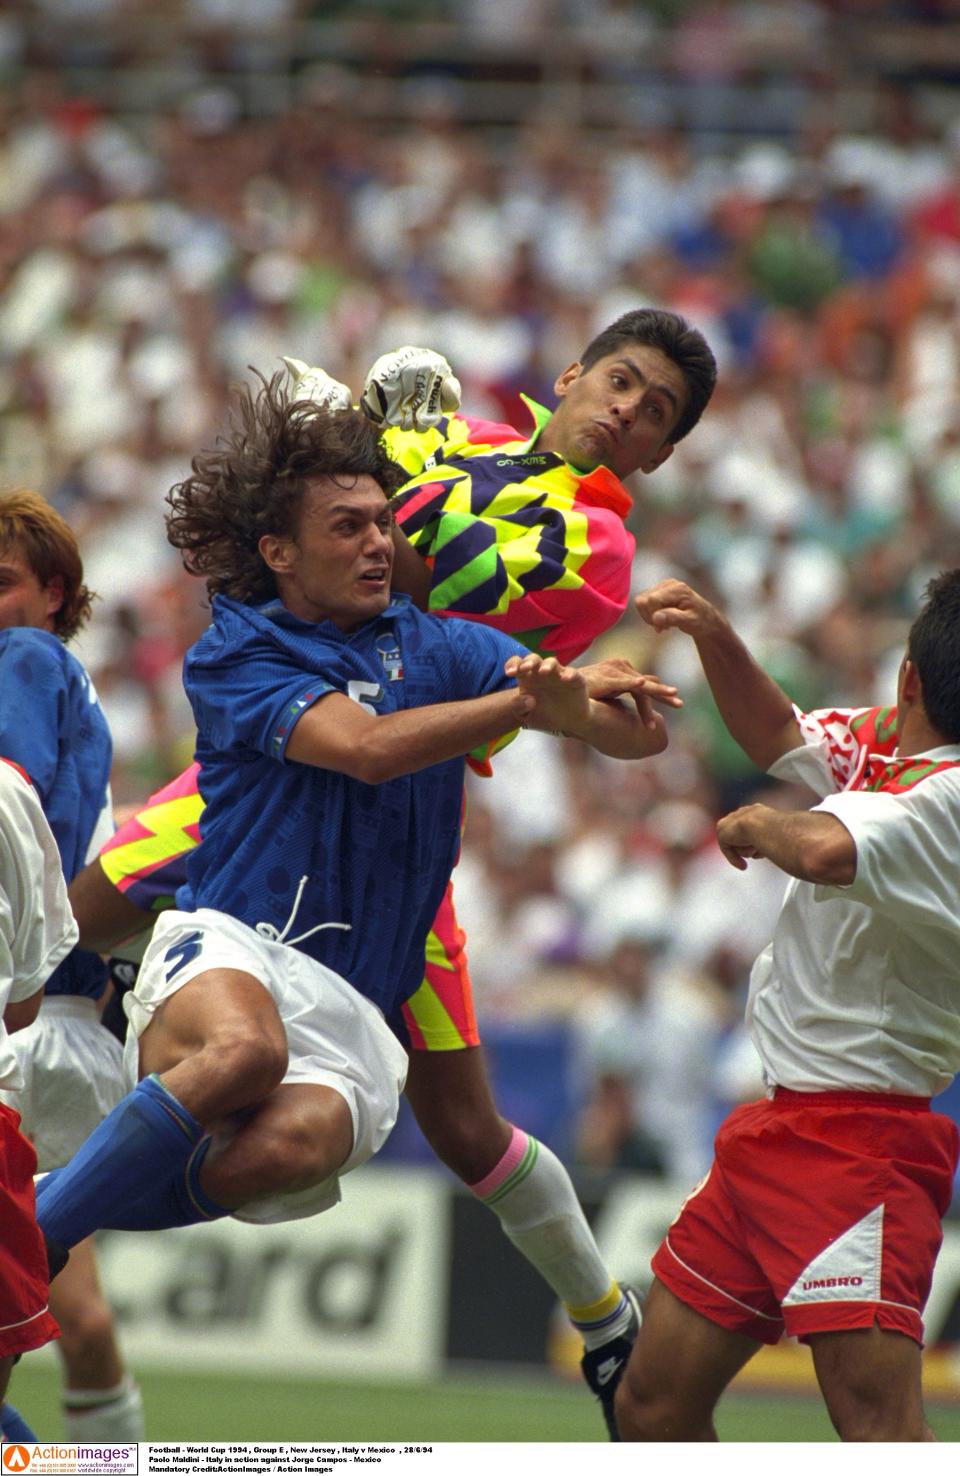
673	336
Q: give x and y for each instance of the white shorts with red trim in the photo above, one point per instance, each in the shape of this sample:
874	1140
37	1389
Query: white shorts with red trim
821	1213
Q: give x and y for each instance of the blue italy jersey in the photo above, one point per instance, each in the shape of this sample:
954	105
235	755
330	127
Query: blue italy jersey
289	848
53	726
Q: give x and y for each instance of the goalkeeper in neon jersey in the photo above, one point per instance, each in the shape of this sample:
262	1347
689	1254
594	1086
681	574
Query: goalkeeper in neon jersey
526	532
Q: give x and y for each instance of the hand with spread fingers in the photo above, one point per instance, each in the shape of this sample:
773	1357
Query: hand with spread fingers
560	692
567	703
609	680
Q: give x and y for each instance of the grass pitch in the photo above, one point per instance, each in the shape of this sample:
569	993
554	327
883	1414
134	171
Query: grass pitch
226	1407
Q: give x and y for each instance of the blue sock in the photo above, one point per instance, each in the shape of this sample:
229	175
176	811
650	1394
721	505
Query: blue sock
146	1139
176	1201
13	1426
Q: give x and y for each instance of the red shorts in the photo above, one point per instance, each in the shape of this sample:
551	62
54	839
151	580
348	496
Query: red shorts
25	1321
821	1213
440	1015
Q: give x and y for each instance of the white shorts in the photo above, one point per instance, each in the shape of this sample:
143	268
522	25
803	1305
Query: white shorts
335	1036
73	1076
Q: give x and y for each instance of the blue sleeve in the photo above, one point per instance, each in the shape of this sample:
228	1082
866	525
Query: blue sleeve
33	701
250	698
479	657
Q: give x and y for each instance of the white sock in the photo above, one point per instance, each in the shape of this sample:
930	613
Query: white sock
104	1414
531	1193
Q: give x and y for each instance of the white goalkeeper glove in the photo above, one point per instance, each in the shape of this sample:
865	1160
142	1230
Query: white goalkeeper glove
412	388
317	386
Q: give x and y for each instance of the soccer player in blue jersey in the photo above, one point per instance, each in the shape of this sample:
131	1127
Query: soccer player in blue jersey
333	719
52	725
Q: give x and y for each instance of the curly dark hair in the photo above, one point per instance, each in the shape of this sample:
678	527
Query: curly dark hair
31	526
254	480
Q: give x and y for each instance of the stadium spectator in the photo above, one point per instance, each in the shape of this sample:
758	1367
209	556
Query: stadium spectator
37	931
289	521
821	1214
645	1038
52	725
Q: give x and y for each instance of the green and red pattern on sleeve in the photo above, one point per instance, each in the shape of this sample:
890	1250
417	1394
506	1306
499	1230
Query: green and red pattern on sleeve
862	750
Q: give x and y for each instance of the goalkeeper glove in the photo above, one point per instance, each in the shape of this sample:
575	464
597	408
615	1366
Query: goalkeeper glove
412	388
317	386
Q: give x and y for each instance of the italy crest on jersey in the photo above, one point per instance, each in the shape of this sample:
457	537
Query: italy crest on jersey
389	653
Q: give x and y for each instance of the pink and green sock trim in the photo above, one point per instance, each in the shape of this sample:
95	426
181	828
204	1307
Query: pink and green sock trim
515	1165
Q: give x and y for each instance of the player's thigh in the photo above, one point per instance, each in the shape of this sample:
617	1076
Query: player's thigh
679	1367
871	1381
222	1008
207	981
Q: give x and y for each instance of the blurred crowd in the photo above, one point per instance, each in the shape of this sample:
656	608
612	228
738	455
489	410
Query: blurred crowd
150	255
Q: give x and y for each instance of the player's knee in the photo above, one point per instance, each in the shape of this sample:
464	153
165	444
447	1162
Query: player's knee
251	1058
634	1412
87	1330
645	1412
860	1422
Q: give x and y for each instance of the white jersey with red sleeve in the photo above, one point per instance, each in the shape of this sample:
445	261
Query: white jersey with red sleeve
37	927
860	987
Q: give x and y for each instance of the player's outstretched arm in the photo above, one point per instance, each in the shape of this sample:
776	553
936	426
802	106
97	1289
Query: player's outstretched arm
757	713
565	704
337	733
808	844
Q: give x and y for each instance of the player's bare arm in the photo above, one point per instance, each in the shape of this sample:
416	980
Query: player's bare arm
810	845
20	1013
757	712
337	733
565	704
